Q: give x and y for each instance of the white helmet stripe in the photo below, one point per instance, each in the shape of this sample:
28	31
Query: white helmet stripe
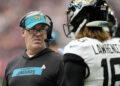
97	24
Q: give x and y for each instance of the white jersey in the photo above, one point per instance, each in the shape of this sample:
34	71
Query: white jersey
103	60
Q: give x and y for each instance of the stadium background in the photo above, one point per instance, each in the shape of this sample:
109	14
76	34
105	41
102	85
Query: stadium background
11	41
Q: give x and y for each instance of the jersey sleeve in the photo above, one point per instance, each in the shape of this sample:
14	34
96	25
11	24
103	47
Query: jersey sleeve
75	70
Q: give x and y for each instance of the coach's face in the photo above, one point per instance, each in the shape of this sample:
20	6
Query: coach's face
34	38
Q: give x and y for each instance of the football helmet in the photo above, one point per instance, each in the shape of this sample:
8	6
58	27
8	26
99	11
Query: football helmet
112	22
90	13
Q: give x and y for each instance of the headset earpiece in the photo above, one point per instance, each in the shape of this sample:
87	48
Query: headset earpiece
49	32
22	22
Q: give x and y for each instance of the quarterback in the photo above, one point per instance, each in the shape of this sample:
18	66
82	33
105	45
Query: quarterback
92	58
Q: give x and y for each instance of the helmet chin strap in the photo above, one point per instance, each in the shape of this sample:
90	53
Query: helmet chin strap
73	35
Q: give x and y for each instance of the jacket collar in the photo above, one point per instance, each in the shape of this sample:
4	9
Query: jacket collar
45	51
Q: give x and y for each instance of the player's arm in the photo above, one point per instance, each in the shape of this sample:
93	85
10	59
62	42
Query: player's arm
75	70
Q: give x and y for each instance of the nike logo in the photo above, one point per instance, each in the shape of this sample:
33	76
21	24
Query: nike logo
72	46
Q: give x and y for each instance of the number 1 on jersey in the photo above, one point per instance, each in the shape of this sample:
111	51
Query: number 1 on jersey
115	71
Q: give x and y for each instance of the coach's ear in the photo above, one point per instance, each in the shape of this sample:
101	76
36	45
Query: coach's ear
23	32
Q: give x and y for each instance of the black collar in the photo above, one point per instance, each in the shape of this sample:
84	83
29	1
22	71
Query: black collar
45	51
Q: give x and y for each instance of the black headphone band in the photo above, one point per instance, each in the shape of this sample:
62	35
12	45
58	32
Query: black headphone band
51	23
49	32
22	22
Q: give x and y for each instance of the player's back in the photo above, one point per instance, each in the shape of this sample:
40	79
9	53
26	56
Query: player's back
103	60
